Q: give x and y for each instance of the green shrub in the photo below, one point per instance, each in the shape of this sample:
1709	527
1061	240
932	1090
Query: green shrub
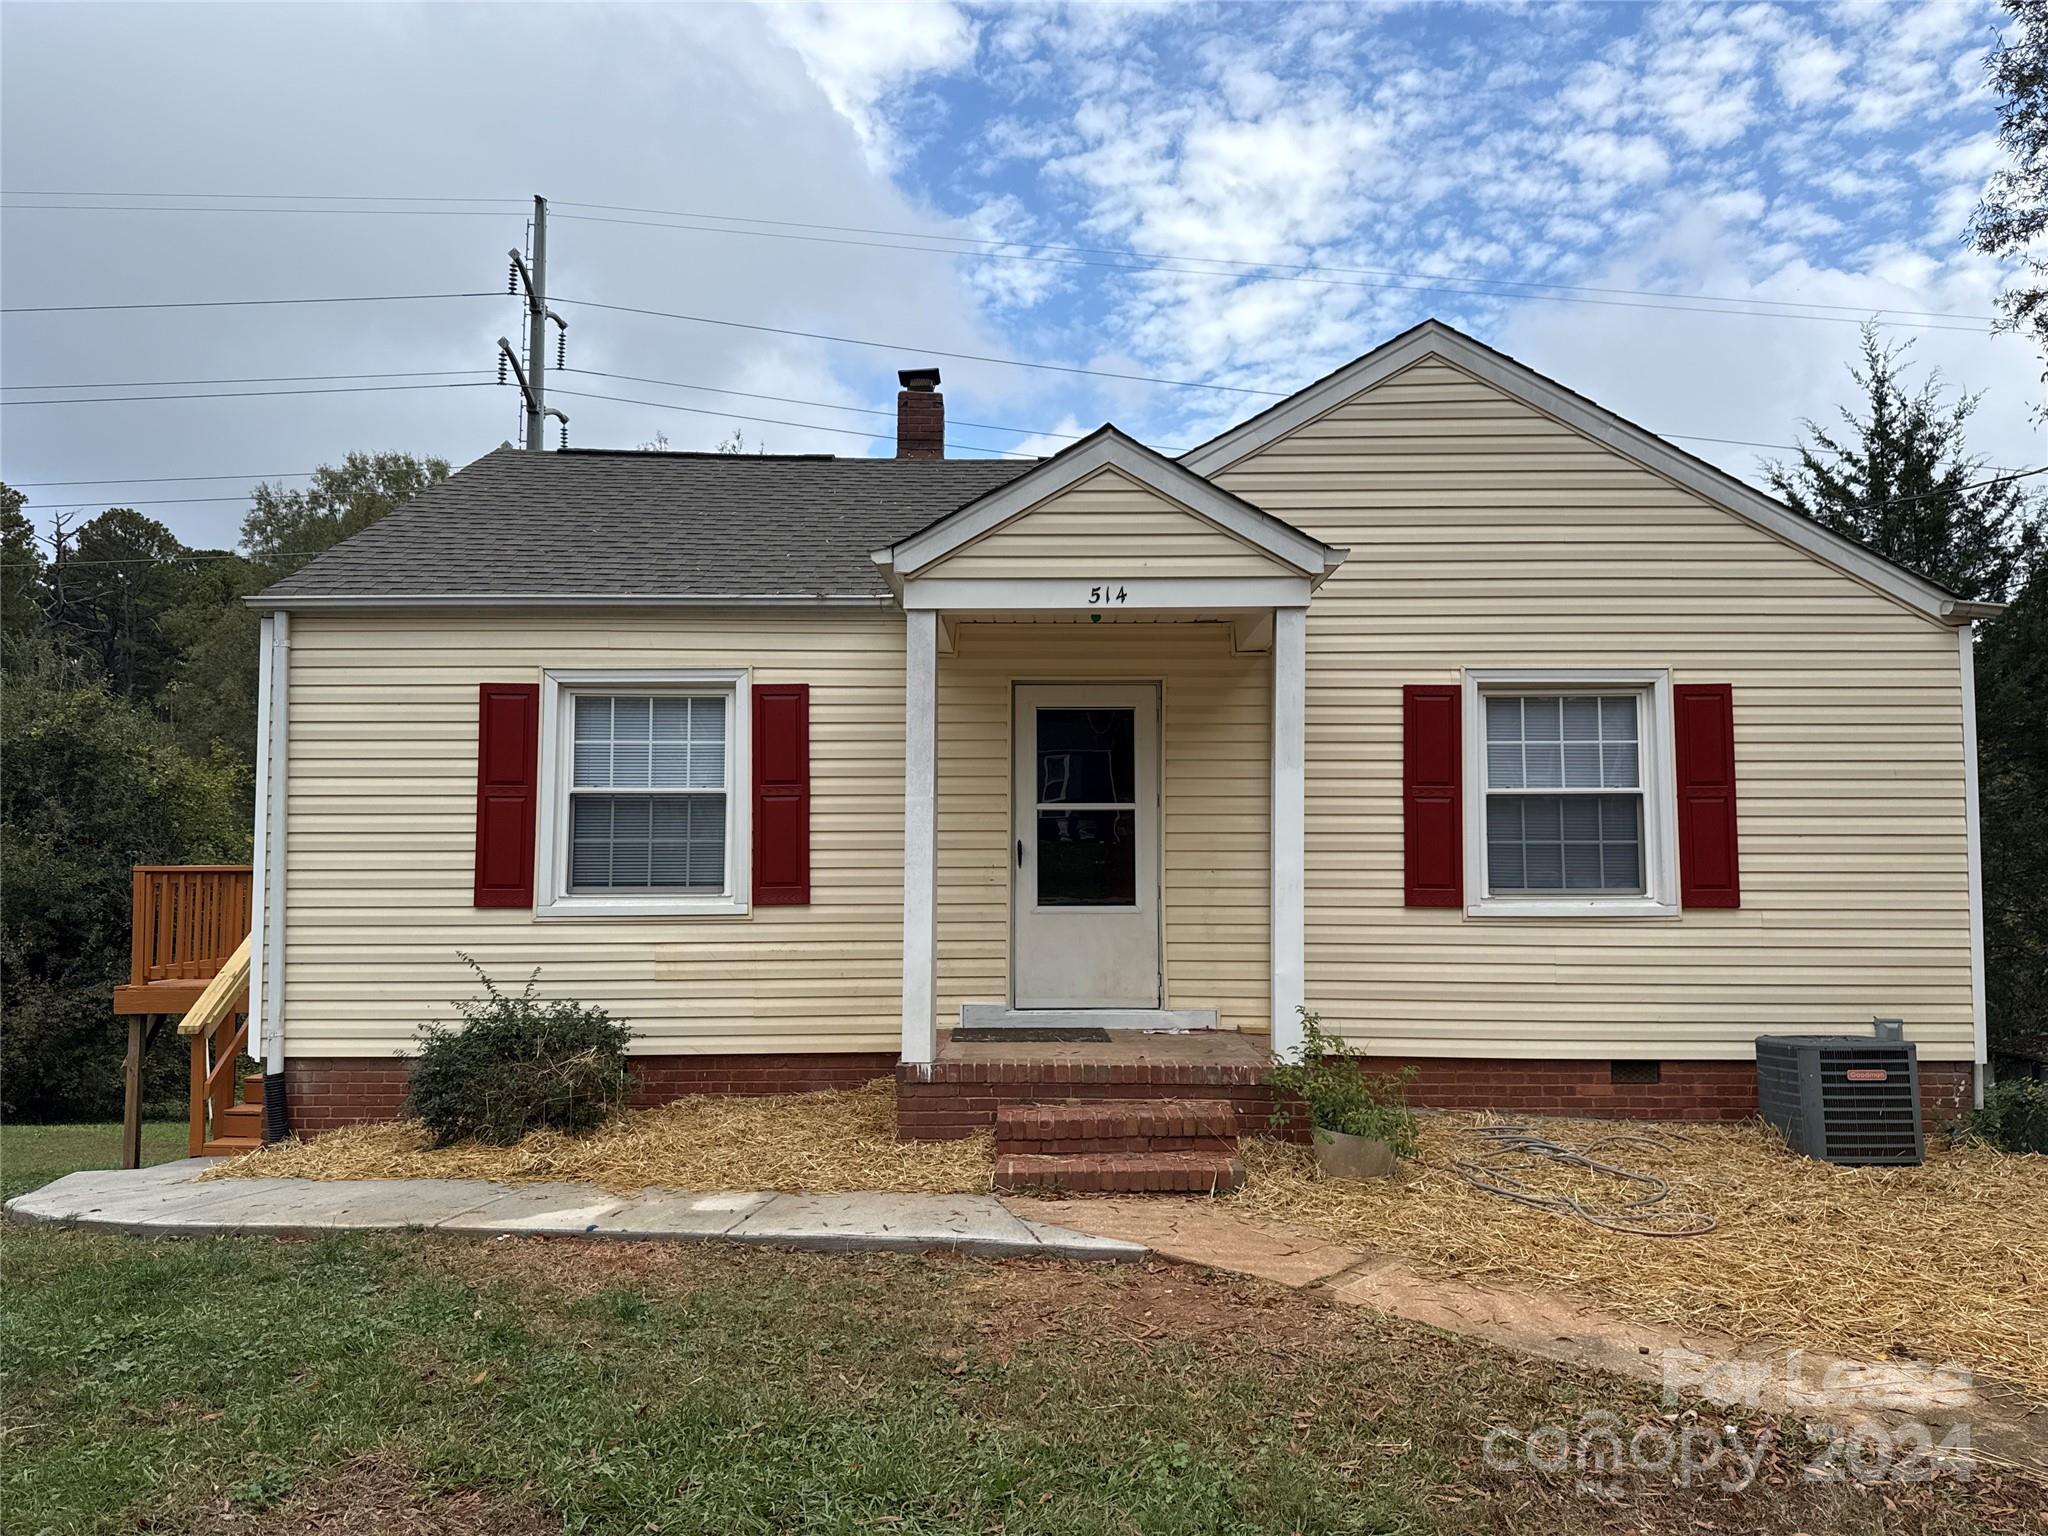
2014	1117
1340	1094
517	1064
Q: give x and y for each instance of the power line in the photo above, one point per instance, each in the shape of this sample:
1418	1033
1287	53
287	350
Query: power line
772	421
24	485
828	405
1128	259
889	346
244	394
1377	285
146	501
345	298
302	197
274	378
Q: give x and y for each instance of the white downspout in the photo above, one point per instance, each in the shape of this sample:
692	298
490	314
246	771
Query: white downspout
273	786
259	852
1966	660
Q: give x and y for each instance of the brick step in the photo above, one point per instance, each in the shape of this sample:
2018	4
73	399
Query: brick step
1117	1125
1122	1173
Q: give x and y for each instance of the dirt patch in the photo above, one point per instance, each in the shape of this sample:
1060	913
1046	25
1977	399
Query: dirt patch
1152	1302
821	1143
1940	1263
380	1494
568	1267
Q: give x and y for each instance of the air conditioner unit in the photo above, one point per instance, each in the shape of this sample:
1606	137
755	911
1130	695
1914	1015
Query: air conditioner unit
1842	1098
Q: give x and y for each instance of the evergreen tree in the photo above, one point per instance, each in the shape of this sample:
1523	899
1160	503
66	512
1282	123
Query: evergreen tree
1899	478
2012	219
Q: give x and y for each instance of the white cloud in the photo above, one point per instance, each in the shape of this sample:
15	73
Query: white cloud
861	55
1636	159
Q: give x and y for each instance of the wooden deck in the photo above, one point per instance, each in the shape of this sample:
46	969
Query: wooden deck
188	921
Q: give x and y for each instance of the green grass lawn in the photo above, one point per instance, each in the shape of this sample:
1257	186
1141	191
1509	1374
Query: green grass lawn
32	1155
436	1384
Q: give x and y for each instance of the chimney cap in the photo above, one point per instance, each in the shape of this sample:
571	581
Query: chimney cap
918	378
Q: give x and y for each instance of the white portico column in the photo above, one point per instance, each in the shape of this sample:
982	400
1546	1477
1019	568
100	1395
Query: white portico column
920	829
1289	851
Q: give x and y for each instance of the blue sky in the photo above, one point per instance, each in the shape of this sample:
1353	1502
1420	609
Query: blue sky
1304	180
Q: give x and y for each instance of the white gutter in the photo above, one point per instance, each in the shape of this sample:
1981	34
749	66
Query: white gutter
376	601
1966	661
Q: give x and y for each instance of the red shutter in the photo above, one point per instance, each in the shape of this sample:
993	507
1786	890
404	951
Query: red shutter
507	794
1432	819
782	794
1709	870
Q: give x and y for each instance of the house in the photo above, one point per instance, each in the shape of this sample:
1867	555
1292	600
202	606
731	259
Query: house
1515	742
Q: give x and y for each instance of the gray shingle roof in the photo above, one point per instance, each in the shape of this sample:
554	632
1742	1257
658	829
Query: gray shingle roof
618	524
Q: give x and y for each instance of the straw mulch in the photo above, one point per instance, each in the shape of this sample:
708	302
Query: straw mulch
1945	1262
823	1143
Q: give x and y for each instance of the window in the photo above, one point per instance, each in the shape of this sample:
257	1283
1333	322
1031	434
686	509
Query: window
1579	834
668	833
1569	810
646	812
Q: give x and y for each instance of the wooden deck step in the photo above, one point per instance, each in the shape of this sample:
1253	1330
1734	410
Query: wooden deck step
1117	1125
1121	1173
229	1146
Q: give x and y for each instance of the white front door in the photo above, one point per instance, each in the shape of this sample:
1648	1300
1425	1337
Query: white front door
1085	899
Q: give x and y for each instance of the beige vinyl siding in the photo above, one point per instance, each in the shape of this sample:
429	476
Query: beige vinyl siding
1216	780
1106	528
383	722
1484	534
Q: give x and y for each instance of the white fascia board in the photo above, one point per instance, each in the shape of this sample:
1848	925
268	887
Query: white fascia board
1435	339
1060	594
1108	448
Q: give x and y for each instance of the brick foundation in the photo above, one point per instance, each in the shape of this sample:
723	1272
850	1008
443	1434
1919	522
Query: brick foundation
1684	1090
330	1091
960	1098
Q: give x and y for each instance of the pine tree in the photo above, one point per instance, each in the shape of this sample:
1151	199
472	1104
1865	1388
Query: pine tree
2012	219
1901	480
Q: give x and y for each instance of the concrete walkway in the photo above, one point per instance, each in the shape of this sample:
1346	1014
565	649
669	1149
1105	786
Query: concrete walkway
169	1201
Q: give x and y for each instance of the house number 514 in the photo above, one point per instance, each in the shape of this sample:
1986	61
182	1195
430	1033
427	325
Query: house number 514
1105	594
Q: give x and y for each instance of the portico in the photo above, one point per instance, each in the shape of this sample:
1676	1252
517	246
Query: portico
1104	725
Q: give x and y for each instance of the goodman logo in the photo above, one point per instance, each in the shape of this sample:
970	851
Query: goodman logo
1868	1075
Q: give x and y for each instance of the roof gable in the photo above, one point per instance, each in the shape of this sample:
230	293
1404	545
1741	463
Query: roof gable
1434	339
1173	488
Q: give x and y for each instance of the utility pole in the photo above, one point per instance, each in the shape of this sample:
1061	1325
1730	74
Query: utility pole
533	377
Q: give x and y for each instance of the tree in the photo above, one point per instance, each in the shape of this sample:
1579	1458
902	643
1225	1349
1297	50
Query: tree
122	572
1902	481
21	570
213	696
2012	218
2012	772
93	785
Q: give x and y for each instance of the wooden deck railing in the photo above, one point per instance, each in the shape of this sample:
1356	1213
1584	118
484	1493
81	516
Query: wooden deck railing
188	921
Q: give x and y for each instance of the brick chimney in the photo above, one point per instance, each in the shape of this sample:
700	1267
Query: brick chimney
920	415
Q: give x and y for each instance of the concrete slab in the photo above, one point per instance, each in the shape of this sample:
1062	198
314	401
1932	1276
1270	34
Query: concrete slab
1200	1231
889	1223
161	1203
679	1214
1057	1242
549	1209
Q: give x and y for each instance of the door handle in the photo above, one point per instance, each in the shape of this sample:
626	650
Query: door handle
1020	853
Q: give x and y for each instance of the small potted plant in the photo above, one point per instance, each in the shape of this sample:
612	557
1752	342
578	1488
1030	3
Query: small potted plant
1360	1120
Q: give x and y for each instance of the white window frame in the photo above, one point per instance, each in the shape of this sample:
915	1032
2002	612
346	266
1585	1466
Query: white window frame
1659	789
551	893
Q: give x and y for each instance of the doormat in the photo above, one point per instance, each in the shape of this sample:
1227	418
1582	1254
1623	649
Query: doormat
1086	1034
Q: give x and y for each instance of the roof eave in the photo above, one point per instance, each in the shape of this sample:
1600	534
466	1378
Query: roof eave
371	602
